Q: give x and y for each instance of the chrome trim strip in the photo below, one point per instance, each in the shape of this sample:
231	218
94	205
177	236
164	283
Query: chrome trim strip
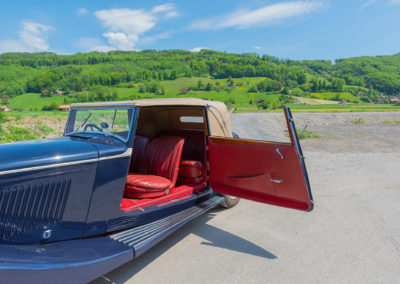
127	153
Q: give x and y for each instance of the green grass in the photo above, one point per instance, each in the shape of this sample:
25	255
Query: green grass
306	134
243	100
343	108
390	122
33	102
357	121
337	96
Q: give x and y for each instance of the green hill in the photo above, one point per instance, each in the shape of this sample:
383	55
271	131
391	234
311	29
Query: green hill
28	81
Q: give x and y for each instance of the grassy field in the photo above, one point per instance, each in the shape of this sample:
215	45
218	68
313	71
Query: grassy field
20	126
237	97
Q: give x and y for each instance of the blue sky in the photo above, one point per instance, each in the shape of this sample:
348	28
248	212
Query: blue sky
315	29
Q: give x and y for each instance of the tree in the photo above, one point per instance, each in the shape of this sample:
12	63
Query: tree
173	75
46	92
337	84
200	85
5	99
114	94
142	88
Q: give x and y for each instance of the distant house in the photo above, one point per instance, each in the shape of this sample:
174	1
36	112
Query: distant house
394	100
342	103
4	109
63	108
58	93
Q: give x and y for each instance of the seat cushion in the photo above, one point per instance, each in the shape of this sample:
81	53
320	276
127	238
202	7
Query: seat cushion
190	172
146	186
190	168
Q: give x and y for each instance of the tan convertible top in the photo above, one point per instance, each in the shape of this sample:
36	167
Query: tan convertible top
218	114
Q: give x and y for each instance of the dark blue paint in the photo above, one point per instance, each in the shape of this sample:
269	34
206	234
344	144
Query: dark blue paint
44	152
77	261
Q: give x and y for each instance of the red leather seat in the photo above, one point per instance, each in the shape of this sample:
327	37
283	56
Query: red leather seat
137	160
160	168
195	143
190	172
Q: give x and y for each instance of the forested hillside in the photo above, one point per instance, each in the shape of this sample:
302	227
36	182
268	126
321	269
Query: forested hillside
93	76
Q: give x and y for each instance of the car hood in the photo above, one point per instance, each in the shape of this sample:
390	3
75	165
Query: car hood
45	152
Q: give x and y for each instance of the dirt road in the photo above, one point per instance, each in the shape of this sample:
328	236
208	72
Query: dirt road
352	236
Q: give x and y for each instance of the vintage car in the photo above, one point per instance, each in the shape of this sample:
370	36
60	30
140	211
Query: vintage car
124	176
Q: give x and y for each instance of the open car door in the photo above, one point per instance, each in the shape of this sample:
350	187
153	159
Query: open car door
268	172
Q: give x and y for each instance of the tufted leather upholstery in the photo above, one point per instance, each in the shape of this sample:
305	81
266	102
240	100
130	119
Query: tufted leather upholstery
190	172
195	143
146	186
137	160
161	163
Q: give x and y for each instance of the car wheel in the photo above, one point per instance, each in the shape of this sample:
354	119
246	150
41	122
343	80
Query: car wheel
230	201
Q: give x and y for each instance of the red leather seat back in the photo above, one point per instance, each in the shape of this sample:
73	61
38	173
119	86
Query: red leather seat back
195	143
138	153
162	157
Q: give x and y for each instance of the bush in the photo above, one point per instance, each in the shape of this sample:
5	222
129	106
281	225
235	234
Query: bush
3	117
229	102
51	107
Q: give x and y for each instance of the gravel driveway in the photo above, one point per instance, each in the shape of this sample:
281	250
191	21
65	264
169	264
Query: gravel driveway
353	234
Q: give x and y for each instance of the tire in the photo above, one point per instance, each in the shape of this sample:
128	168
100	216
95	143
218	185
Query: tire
229	201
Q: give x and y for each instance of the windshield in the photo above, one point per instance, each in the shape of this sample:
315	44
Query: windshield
113	121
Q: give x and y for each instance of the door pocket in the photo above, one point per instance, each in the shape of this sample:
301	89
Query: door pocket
260	182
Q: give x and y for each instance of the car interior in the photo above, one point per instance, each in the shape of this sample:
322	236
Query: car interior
168	160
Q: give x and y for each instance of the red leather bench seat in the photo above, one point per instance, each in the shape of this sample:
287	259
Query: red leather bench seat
191	169
190	172
159	170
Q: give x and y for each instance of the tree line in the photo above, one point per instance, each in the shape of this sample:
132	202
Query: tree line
46	72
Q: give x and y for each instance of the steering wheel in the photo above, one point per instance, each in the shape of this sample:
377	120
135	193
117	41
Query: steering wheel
92	127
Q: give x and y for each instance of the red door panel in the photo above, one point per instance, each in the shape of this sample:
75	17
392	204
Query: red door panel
260	171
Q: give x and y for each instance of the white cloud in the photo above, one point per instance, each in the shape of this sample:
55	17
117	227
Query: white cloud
172	14
126	26
154	38
264	16
82	11
368	3
257	47
102	48
8	45
163	8
35	35
32	37
198	49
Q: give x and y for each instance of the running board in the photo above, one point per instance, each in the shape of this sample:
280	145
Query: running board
142	238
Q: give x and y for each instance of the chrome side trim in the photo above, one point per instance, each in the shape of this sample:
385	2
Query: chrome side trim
127	153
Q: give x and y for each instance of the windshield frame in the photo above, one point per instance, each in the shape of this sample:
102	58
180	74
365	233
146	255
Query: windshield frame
73	111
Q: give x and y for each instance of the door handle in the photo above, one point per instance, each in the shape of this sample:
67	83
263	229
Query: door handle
277	150
277	180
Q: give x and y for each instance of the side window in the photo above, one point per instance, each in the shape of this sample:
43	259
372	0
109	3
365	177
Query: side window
269	126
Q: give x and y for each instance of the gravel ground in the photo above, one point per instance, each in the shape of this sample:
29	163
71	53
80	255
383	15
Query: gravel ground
352	236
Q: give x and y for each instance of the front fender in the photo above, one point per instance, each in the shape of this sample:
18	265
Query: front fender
77	261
